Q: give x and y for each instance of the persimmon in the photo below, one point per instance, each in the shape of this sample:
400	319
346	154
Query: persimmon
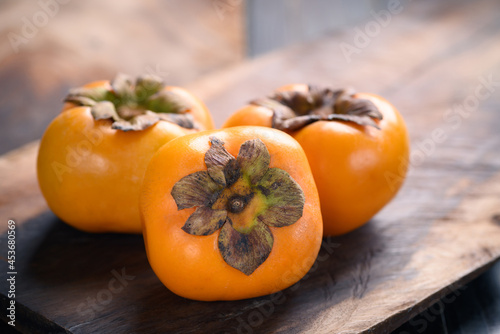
236	216
93	155
356	143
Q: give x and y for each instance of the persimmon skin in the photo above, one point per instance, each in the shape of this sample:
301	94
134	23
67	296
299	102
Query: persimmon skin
250	115
90	174
192	266
357	169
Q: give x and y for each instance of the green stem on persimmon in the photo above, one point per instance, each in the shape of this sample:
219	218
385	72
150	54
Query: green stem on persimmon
292	110
133	106
242	197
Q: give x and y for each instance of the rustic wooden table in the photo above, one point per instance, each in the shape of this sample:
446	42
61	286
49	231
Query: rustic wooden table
442	230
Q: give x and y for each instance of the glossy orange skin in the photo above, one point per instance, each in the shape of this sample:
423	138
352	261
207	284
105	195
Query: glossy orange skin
357	169
90	174
191	266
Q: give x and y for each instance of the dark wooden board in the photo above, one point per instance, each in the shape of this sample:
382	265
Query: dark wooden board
440	232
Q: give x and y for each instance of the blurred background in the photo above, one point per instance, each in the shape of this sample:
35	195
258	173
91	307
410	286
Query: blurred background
46	49
49	46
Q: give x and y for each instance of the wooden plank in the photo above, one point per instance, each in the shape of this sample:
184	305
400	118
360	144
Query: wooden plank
440	232
20	197
384	267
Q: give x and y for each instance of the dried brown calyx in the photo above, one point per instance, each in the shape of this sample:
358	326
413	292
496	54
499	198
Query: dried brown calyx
293	109
243	198
133	106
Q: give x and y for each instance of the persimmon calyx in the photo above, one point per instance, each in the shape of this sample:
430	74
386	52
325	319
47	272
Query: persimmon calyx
242	197
293	110
134	106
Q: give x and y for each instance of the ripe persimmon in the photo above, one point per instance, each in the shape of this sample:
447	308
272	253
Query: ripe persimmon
93	155
356	143
230	214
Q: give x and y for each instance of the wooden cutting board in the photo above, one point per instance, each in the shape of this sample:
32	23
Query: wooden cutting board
441	231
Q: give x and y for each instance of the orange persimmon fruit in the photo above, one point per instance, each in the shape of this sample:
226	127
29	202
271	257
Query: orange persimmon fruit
93	155
230	214
356	143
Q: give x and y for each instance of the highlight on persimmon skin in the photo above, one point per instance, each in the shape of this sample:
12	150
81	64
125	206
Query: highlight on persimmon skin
356	143
93	155
238	216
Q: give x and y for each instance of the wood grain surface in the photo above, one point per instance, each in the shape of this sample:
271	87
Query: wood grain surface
441	231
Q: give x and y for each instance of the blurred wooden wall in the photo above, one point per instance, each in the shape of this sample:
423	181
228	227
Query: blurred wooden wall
279	23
